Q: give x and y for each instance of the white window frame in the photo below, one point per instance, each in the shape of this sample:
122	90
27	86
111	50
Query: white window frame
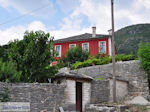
59	51
71	45
99	47
87	44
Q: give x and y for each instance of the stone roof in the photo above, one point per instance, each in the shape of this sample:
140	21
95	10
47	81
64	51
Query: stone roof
85	36
73	75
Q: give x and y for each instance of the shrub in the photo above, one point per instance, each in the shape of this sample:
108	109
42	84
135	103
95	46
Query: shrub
90	62
76	54
99	55
8	72
4	96
104	60
144	57
123	57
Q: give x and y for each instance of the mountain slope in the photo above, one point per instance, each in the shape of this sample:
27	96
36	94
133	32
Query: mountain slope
127	39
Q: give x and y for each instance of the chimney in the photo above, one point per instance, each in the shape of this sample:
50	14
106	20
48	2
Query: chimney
93	31
110	32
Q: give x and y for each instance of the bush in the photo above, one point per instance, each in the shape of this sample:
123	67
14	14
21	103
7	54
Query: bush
144	57
104	60
99	55
76	54
123	57
8	72
4	96
90	62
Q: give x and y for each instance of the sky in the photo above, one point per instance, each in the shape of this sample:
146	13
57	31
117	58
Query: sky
64	18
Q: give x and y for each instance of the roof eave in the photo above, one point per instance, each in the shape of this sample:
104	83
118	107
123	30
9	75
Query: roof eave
57	41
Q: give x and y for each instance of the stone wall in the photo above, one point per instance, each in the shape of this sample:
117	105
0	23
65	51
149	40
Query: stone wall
100	91
129	70
43	96
121	90
86	88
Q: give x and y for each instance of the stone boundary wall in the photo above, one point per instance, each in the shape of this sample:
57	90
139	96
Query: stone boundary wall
129	70
42	96
100	91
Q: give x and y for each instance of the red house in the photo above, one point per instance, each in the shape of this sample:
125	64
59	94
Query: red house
94	43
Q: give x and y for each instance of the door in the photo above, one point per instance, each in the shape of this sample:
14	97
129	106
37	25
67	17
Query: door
78	96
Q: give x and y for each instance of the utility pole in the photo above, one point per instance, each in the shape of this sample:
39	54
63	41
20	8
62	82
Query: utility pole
113	52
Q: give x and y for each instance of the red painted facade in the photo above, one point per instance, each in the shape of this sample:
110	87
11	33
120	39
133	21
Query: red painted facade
93	46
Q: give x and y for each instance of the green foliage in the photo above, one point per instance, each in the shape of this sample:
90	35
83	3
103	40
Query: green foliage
8	72
63	62
123	57
90	62
101	55
4	52
76	54
4	96
33	56
144	56
101	61
99	78
127	39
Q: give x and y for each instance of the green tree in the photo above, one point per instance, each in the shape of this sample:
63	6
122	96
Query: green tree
8	72
4	52
33	56
77	54
144	57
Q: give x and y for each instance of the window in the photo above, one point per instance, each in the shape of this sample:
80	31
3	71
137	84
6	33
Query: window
85	46
102	47
58	50
72	45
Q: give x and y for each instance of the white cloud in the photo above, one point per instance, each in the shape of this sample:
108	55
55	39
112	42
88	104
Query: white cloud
145	3
40	8
17	32
136	14
11	34
36	25
97	13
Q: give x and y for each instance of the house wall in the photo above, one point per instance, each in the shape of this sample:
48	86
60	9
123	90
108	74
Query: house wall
86	97
70	95
70	92
93	46
121	90
109	44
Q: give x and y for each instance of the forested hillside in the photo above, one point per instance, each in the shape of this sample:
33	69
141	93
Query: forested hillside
128	38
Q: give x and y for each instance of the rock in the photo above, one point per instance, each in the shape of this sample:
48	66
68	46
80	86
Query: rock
138	100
